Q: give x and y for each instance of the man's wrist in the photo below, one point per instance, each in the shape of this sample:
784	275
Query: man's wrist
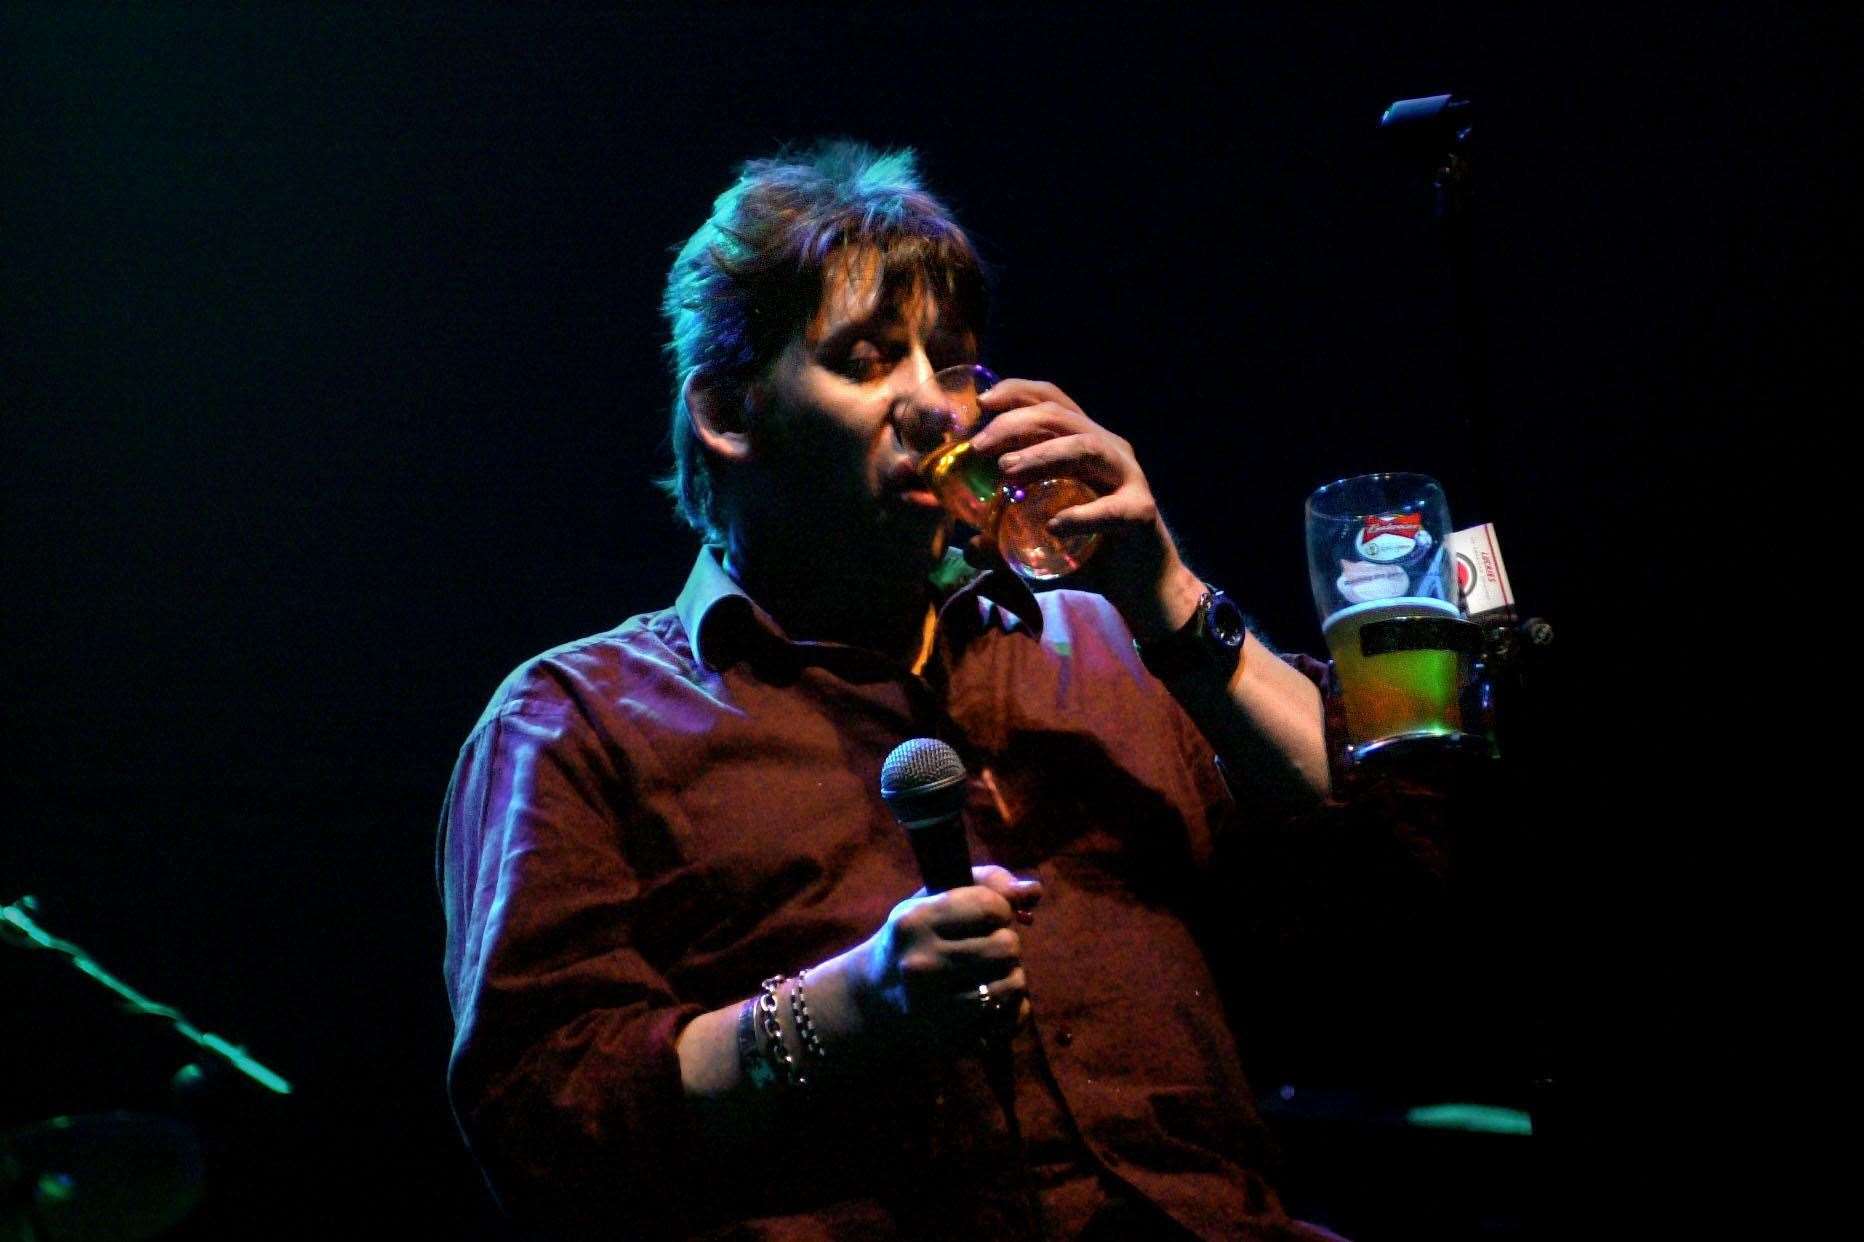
1167	609
1208	646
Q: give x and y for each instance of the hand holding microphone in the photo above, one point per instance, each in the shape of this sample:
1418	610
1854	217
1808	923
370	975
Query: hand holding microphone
943	974
952	950
942	958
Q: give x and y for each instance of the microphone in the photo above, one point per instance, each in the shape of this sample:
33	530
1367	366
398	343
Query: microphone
1435	115
922	783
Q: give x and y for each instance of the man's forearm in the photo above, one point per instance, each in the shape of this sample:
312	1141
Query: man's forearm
711	1068
1266	721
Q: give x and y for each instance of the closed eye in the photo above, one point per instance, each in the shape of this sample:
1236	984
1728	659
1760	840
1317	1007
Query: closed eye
867	361
862	364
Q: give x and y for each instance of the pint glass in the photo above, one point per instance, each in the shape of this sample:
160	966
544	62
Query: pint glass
1385	586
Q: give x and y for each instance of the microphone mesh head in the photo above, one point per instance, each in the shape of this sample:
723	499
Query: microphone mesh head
918	765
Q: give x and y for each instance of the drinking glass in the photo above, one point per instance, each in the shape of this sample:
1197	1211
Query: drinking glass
939	424
1385	586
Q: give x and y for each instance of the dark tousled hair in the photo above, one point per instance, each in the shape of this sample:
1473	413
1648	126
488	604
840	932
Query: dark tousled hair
752	276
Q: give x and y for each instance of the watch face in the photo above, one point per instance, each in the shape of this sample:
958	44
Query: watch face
1225	621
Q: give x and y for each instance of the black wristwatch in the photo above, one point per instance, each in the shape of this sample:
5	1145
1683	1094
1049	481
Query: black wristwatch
1212	640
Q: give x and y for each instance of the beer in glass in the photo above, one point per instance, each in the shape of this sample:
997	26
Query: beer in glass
1385	586
945	413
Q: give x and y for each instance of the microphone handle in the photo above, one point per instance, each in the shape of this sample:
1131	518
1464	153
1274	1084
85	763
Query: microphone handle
943	851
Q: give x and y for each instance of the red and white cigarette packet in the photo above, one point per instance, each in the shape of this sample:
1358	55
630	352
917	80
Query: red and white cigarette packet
1480	574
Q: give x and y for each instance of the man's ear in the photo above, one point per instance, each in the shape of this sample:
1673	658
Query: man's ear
719	411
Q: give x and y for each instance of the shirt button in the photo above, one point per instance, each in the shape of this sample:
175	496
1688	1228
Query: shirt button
1064	1037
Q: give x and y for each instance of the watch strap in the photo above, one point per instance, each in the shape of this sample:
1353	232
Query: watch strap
1211	640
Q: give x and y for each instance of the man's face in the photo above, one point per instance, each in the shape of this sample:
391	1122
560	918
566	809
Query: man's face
827	465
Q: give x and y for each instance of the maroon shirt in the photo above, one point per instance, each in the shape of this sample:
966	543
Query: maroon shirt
648	822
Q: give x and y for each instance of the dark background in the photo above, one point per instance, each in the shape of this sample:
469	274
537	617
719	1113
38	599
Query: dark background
332	386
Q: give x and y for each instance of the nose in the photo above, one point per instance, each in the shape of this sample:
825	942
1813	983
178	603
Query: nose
918	365
919	425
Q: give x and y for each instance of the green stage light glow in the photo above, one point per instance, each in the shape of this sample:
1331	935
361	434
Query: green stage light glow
1476	1118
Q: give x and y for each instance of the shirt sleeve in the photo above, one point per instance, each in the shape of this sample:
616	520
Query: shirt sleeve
564	1075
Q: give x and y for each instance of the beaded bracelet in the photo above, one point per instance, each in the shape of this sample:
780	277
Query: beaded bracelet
804	1024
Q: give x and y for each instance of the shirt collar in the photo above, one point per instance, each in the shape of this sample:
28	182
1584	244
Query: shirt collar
724	624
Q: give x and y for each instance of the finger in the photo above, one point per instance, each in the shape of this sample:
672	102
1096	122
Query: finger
965	912
1014	982
1005	988
1029	425
1085	457
1119	511
983	959
1009	393
996	1008
1020	893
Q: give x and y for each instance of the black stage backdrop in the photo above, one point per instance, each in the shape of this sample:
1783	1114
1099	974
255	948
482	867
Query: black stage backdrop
332	388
